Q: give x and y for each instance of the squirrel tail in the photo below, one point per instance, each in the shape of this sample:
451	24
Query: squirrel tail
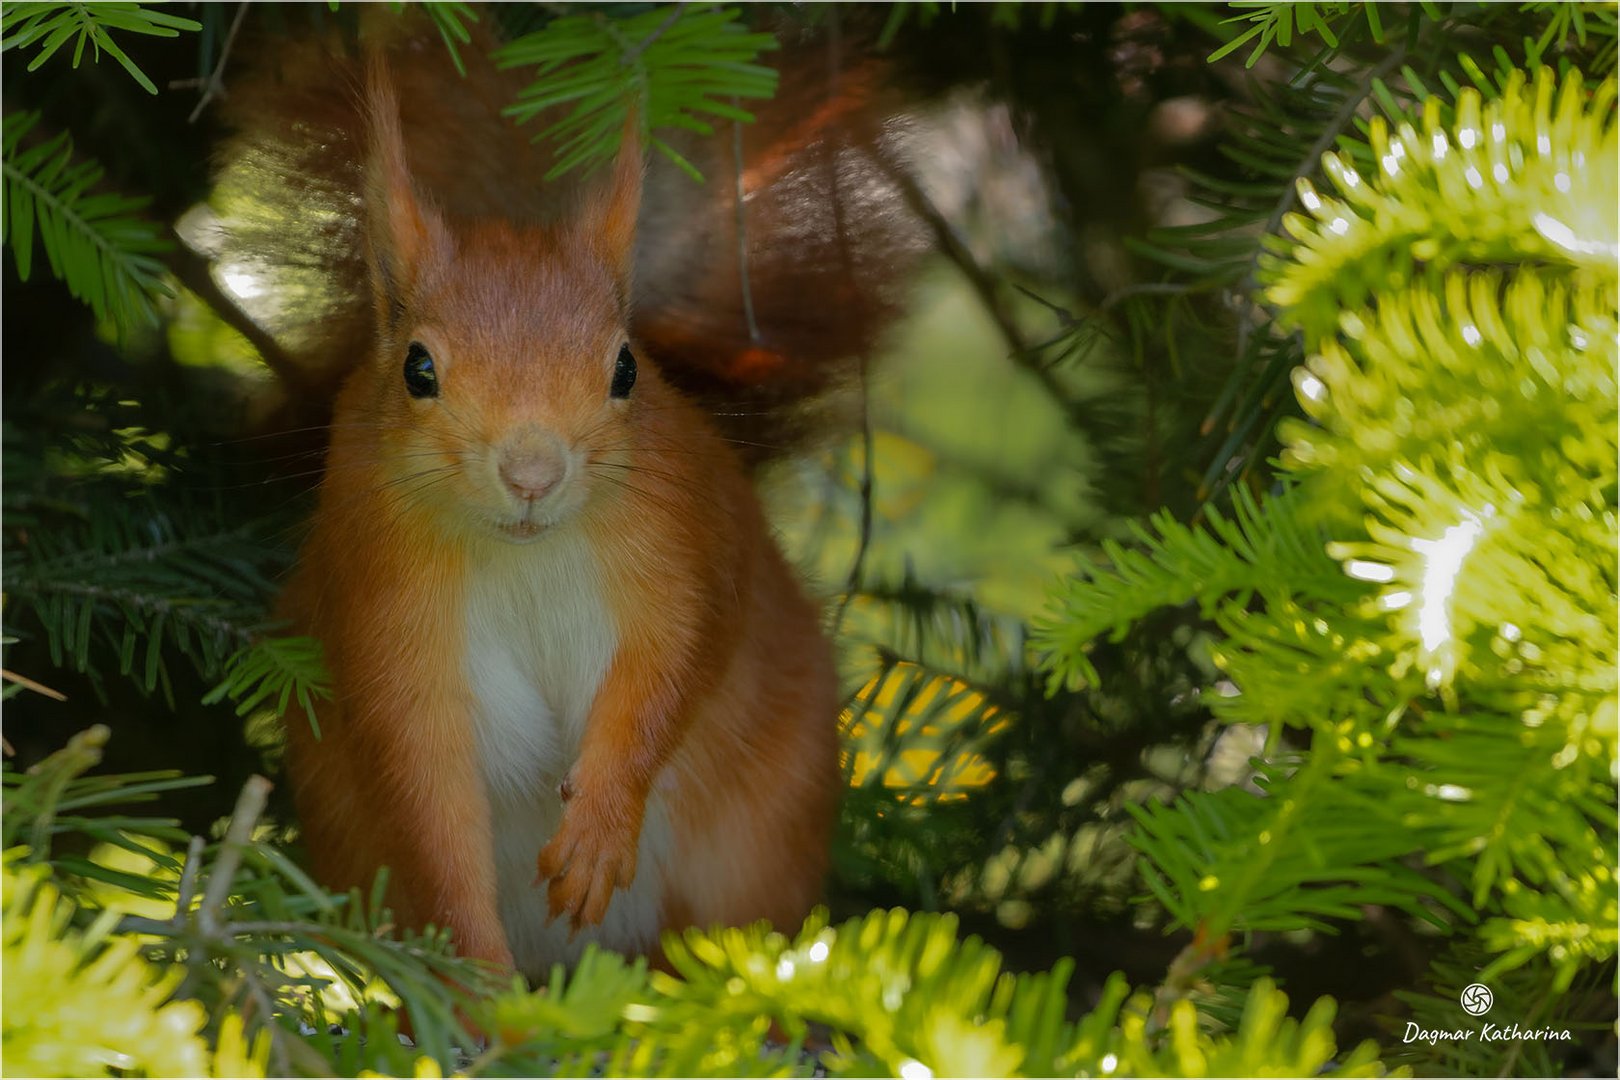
757	291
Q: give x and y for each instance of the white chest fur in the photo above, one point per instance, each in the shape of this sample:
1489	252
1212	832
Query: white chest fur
539	640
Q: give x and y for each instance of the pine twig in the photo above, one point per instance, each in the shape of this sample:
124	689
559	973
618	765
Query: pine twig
249	805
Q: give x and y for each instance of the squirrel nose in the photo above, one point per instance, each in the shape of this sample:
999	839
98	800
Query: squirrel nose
531	471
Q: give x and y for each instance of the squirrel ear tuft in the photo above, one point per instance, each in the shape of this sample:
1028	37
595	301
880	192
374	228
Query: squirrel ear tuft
402	230
609	218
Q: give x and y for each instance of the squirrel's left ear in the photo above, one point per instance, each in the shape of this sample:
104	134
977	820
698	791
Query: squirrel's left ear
404	232
609	218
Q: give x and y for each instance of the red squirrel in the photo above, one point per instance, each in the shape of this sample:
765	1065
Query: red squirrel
578	693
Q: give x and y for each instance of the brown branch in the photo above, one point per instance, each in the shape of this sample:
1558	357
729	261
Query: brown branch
956	249
195	273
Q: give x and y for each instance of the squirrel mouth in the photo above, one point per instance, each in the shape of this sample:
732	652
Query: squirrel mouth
523	530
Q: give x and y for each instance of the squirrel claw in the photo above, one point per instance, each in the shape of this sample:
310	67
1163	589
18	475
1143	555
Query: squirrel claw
585	863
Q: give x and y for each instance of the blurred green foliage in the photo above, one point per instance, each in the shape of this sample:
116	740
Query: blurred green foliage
1458	675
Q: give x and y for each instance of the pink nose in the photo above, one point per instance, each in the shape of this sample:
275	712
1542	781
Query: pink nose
530	472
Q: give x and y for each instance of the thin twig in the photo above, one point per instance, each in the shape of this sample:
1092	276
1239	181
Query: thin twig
1068	320
742	231
857	568
1308	165
214	85
1183	974
249	805
1065	317
634	52
29	684
282	927
188	880
1146	288
258	994
956	249
834	147
142	924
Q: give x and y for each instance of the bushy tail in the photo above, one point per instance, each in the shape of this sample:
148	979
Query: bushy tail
758	315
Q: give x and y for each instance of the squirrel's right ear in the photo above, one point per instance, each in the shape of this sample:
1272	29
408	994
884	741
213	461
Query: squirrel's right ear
608	218
402	231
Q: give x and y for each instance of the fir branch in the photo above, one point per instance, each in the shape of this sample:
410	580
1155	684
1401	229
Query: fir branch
911	995
900	992
1264	139
95	243
919	735
1310	163
1275	23
923	12
1263	548
48	801
1485	188
1584	22
679	66
51	26
451	17
943	629
1230	860
131	582
1452	680
283	668
119	1012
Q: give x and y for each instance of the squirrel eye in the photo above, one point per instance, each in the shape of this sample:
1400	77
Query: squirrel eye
420	379
624	373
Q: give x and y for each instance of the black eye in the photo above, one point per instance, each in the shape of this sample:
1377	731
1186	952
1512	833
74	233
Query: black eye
420	379
624	373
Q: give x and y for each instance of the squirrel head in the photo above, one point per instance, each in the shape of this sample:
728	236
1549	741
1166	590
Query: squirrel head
505	391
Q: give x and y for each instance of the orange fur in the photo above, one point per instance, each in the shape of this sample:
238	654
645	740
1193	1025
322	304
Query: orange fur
719	697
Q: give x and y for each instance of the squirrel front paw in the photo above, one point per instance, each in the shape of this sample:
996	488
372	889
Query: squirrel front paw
593	853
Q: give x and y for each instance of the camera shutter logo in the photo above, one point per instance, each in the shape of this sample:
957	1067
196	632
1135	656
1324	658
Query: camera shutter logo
1476	999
